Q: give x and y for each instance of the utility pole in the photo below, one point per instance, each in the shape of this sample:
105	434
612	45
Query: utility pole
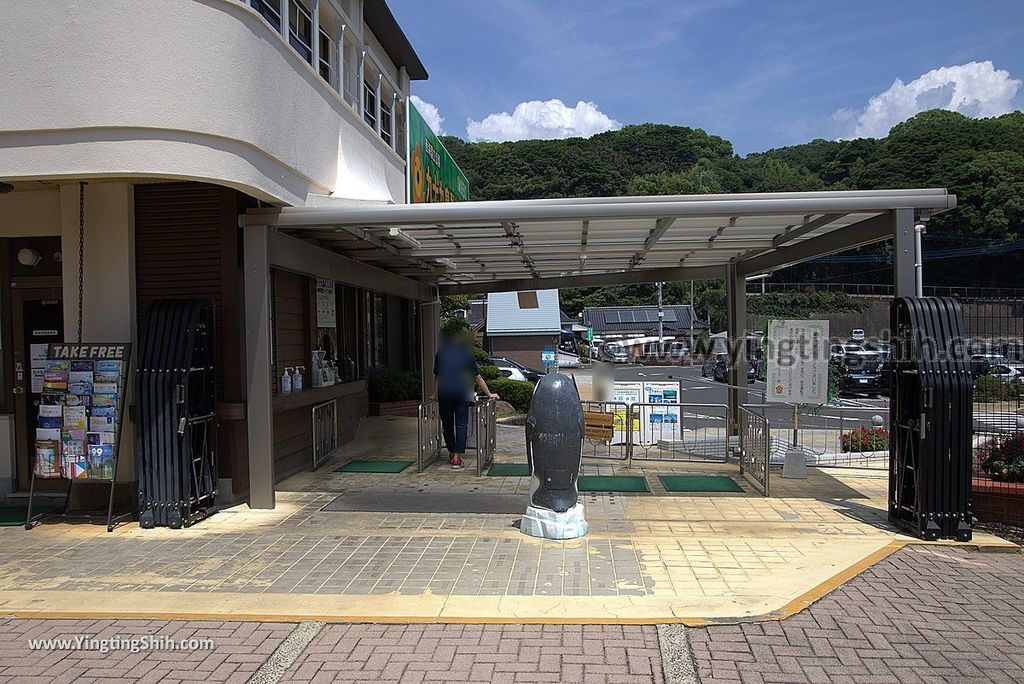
661	322
693	319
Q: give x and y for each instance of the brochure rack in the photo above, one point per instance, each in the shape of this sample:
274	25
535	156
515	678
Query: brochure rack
78	426
176	437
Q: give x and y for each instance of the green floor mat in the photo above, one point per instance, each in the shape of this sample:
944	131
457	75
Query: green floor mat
373	467
612	483
13	516
509	470
699	483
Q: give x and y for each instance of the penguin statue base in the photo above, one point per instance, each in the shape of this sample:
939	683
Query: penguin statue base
549	524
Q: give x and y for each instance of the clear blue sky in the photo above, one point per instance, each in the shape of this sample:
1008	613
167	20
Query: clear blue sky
759	73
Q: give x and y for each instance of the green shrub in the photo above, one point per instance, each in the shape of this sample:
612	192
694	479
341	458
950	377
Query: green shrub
450	325
990	388
516	392
394	385
488	371
481	357
866	439
1005	460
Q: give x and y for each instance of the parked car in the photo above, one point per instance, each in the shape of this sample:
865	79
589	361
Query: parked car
986	364
616	353
721	372
863	373
707	368
511	373
531	374
857	334
838	350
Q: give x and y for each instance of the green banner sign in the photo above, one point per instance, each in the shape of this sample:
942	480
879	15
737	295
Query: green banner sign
433	174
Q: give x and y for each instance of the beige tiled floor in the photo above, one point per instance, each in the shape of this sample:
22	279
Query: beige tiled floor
648	556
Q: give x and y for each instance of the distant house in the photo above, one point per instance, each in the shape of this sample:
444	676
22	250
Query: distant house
520	325
622	322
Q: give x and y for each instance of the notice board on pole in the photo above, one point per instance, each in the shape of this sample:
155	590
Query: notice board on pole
797	362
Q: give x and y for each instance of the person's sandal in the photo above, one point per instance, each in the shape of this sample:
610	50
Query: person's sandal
455	462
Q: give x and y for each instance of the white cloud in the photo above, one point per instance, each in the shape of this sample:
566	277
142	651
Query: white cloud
975	89
542	120
430	114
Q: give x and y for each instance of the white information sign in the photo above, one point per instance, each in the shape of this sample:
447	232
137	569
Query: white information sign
797	362
326	305
661	420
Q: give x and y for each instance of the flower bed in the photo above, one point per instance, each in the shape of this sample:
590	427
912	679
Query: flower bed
1004	458
866	439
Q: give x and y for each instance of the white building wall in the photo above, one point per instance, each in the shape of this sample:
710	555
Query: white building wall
189	89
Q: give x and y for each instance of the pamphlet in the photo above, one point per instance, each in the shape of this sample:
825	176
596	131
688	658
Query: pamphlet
46	458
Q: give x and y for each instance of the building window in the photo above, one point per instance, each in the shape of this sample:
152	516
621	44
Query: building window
300	30
385	123
269	10
369	104
528	300
325	56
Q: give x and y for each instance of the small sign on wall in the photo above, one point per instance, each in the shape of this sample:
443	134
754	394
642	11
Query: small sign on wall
326	304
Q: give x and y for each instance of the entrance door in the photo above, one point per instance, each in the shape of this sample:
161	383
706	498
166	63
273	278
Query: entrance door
38	321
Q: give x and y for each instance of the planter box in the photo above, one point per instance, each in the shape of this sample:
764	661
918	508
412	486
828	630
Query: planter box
993	501
395	408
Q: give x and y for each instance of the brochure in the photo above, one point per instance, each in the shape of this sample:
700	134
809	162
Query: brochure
75	466
74	417
101	424
72	443
80	382
50	416
104	388
108	371
46	458
48	434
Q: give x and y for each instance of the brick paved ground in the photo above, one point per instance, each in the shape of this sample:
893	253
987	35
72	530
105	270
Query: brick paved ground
500	654
926	614
240	649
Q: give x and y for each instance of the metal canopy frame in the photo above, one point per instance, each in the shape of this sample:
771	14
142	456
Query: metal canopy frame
422	250
513	245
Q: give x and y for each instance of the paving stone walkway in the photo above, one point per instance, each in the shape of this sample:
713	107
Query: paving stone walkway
925	614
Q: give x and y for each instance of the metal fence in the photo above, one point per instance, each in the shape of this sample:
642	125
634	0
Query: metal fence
428	434
995	327
754	450
609	430
834	435
325	431
680	432
484	415
481	433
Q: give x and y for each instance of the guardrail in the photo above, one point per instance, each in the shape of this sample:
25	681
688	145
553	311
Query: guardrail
755	448
325	431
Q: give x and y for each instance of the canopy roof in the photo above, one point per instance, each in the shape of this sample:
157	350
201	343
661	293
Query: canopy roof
510	245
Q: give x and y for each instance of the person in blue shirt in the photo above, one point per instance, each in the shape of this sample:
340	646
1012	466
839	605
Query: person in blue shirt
455	373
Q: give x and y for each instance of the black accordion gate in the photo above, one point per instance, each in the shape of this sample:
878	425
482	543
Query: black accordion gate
175	396
930	416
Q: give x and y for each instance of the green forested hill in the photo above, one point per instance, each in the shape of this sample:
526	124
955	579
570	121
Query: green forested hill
980	160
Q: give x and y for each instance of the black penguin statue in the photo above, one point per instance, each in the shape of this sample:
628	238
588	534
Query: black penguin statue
554	450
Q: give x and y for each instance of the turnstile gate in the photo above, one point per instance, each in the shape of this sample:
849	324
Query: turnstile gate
175	399
930	415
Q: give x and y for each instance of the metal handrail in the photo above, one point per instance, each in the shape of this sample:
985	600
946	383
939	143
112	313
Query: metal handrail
754	459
